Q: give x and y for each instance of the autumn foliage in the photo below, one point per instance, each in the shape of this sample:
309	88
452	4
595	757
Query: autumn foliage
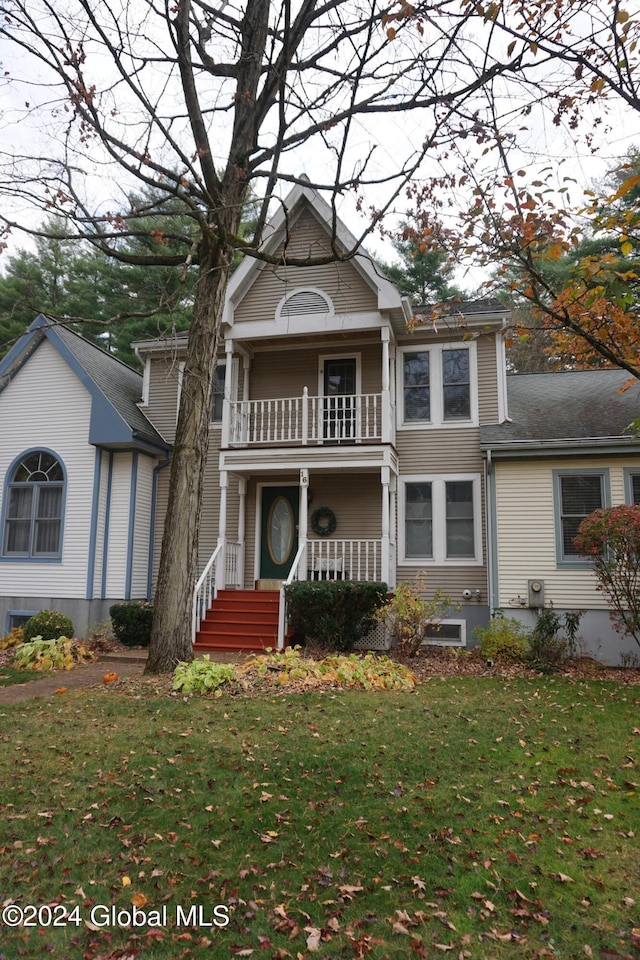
611	539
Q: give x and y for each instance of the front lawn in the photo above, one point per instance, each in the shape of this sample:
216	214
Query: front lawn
477	818
11	675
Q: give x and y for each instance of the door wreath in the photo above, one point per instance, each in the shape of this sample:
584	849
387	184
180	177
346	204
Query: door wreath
323	521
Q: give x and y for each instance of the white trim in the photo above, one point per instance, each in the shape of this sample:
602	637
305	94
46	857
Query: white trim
435	351
146	378
322	358
501	365
282	482
306	289
439	557
462	642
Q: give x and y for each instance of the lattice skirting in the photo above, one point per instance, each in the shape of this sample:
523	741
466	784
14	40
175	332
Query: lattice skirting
377	639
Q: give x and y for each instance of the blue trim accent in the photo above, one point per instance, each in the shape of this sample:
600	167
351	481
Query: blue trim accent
629	474
93	535
107	520
4	558
17	613
132	524
575	563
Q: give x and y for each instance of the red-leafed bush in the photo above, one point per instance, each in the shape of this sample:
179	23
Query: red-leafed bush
611	539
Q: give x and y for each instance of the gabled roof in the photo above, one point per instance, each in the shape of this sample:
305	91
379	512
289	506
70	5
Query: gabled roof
116	389
300	197
565	411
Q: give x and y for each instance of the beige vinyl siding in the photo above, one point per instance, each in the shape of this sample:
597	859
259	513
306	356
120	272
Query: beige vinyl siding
526	532
286	373
46	406
487	379
162	409
451	580
443	450
347	289
142	527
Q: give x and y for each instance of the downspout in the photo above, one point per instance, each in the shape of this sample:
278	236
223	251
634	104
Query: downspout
491	531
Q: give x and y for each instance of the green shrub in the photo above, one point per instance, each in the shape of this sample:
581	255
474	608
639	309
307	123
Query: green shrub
202	676
504	638
546	647
408	615
132	622
58	654
334	613
48	624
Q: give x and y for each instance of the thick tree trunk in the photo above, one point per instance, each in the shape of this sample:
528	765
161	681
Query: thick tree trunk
171	635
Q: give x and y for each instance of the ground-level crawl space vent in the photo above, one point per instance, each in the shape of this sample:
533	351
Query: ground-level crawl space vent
450	633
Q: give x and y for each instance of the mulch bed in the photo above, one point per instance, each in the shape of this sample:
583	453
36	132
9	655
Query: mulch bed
448	662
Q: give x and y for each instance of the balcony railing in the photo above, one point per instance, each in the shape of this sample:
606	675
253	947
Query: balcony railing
356	418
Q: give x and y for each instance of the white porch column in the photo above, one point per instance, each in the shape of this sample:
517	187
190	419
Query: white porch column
226	401
303	519
386	392
244	425
385	475
242	522
222	531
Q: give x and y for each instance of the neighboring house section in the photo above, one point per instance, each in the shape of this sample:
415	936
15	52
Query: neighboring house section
565	452
77	473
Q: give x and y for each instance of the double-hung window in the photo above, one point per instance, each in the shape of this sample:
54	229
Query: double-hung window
218	392
577	494
34	505
440	519
439	385
632	485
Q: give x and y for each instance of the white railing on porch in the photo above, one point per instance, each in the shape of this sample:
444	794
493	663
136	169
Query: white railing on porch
234	555
204	591
344	559
206	588
305	419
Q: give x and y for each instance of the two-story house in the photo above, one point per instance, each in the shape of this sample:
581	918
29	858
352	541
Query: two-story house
342	446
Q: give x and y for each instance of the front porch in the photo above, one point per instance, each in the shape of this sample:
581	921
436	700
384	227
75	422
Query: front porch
278	541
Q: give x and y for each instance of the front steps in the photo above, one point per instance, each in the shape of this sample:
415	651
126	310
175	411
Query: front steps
240	620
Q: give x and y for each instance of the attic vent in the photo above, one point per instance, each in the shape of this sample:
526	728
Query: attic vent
305	302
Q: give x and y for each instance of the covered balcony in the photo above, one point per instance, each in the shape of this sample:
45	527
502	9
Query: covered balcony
303	420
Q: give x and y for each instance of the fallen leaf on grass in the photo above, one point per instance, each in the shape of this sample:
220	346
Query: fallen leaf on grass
313	940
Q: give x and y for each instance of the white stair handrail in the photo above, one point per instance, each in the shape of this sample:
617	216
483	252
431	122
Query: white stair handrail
202	597
293	575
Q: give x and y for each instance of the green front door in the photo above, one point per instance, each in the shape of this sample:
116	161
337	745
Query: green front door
279	531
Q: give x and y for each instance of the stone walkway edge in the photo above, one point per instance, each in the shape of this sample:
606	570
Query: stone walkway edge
125	664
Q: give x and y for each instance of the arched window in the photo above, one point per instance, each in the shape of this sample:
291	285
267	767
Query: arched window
34	506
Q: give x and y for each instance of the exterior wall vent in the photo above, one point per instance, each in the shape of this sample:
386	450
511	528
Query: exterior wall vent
303	303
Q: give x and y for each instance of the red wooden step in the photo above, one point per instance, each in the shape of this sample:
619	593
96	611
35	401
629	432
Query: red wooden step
240	620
